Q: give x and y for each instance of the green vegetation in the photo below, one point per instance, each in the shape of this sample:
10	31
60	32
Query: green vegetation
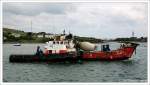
88	39
12	35
141	39
11	31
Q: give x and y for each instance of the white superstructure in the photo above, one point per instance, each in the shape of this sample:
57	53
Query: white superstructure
60	45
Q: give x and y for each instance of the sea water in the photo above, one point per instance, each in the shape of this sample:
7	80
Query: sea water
132	70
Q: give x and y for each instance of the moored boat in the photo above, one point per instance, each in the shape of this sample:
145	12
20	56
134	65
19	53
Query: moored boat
17	44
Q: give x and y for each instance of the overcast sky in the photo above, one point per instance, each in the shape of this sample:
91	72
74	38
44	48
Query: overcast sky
101	20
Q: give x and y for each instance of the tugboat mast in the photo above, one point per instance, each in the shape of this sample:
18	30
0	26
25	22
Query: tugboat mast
31	26
132	33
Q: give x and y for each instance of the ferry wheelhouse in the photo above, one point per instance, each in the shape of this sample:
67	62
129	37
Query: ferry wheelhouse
60	44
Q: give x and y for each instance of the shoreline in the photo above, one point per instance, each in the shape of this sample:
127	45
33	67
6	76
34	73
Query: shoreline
22	43
45	43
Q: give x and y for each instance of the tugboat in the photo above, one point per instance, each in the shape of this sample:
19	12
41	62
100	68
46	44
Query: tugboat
66	48
62	48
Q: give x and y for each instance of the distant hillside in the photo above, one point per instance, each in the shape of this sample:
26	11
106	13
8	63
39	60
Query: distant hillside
12	30
88	39
140	39
13	35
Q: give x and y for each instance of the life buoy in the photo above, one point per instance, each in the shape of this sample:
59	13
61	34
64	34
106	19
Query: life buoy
111	57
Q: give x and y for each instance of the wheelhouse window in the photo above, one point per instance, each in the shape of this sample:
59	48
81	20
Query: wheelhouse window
57	42
61	42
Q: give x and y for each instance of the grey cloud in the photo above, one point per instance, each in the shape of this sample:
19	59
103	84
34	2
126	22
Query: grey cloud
107	21
31	9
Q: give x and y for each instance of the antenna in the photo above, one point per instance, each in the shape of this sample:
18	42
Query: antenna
132	33
53	26
64	32
31	25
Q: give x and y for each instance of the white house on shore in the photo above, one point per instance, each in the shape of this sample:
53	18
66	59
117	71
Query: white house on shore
51	36
46	35
16	35
40	36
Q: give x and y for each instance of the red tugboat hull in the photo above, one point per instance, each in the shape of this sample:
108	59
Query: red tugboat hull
120	54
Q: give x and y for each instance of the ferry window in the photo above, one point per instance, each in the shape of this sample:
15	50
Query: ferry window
65	42
57	42
61	42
